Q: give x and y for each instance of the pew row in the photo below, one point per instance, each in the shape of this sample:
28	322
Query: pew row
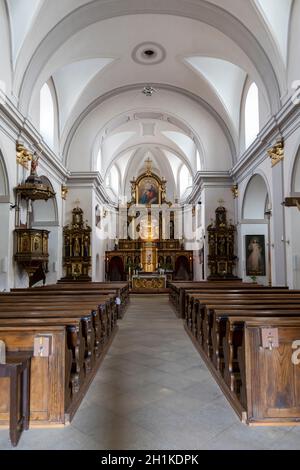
81	328
251	345
119	290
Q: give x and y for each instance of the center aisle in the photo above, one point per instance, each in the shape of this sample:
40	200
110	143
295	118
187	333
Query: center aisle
154	392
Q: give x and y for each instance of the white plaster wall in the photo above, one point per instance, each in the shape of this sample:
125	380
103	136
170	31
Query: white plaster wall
100	243
252	229
292	215
5	51
293	71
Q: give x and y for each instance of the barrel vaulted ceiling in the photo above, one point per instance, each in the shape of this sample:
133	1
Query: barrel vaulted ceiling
204	56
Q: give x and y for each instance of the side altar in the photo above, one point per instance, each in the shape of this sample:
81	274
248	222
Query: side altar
151	245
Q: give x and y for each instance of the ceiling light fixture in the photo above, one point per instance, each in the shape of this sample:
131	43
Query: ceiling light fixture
148	90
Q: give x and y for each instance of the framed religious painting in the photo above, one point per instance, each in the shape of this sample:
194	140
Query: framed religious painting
148	191
255	255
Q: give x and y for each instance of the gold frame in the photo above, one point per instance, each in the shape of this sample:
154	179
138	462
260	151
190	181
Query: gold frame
140	182
135	187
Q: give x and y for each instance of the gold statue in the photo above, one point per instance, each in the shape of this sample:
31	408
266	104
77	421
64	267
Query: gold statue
64	192
23	155
34	164
235	191
276	153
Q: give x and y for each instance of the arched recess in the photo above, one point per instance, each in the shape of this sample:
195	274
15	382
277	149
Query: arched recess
5	237
6	70
255	223
262	117
4	186
49	114
255	199
295	180
116	269
293	227
182	269
45	212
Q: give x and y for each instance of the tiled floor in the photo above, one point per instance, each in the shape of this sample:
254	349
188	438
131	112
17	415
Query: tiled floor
154	392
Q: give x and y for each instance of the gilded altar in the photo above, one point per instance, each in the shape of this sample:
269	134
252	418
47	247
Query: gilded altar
148	282
77	248
151	243
221	244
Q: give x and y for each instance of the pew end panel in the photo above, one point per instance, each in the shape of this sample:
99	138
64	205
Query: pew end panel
273	375
47	376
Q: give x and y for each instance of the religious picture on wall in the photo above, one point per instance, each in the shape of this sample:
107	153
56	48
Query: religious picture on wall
148	191
255	255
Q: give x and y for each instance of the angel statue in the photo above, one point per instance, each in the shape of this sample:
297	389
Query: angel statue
34	164
276	153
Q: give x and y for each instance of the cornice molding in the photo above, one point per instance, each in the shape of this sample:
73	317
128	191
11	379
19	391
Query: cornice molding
93	180
18	128
208	179
283	125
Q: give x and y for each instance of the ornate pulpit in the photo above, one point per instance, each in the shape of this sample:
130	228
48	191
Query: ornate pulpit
31	245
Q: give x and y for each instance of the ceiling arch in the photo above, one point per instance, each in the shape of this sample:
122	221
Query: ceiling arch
198	103
203	11
147	128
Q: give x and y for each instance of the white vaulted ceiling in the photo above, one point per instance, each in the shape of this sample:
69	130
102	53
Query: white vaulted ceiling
205	52
71	80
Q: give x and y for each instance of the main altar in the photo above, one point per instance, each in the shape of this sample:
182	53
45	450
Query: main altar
150	254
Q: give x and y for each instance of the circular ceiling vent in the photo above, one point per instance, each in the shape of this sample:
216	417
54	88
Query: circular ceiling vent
148	53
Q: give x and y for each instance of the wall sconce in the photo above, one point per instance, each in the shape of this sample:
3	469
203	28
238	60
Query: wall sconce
64	192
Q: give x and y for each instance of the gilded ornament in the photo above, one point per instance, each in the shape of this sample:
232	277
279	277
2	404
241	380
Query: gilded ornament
24	156
276	153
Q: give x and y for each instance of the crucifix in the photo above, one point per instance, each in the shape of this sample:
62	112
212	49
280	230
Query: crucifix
148	166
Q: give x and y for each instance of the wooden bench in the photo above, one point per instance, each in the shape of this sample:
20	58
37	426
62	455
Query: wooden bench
17	370
219	323
83	321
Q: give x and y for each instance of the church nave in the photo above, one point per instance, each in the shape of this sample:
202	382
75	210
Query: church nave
153	391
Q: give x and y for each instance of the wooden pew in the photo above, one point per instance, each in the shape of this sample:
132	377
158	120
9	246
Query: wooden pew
202	318
178	290
89	330
121	290
270	380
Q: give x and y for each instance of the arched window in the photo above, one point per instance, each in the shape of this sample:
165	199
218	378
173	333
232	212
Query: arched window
99	161
251	115
47	115
198	161
184	179
114	175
